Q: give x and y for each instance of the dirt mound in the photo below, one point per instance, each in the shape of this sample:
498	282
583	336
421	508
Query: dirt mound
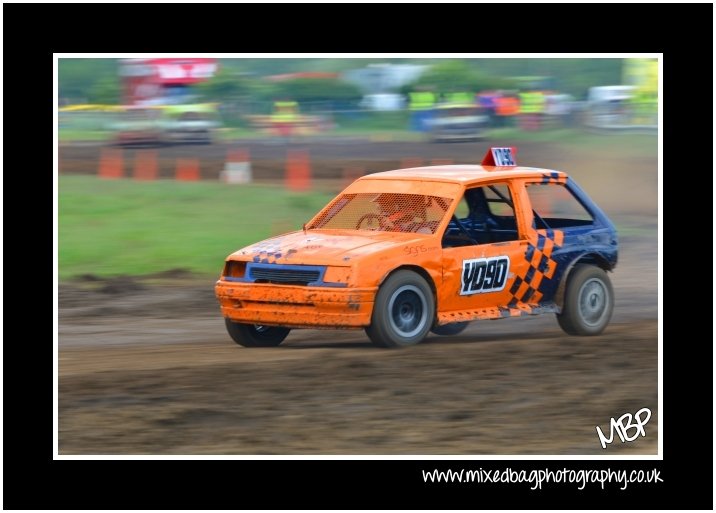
172	274
168	294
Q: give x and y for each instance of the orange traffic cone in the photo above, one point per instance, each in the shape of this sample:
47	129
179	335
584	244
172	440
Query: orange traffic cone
298	170
145	165
187	170
111	164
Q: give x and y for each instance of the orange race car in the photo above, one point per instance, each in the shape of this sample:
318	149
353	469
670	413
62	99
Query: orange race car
405	252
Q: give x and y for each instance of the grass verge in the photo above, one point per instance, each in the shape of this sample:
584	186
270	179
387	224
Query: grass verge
114	227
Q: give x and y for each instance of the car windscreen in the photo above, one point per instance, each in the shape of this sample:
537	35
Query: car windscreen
391	212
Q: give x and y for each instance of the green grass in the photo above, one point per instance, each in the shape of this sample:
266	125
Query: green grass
232	133
227	133
67	135
398	121
114	227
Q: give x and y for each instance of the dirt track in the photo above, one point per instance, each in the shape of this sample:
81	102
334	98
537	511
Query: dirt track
146	366
148	369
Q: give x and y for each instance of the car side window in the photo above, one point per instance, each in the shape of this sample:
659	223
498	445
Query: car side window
485	215
554	206
499	200
463	209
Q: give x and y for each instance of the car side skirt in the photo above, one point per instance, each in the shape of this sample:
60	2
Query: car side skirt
519	309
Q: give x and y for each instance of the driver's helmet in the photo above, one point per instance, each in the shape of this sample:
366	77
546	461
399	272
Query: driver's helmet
401	208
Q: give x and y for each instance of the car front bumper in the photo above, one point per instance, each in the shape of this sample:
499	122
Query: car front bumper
295	306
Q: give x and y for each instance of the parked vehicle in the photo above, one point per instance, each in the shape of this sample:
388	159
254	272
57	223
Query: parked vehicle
457	123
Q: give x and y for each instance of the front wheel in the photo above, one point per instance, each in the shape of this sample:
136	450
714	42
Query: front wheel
403	312
588	301
256	335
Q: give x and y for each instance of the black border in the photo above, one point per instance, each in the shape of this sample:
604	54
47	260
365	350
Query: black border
32	480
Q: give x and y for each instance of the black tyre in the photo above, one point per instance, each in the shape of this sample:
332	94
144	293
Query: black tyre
404	311
448	330
588	301
255	335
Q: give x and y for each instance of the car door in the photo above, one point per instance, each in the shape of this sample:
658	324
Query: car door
482	276
565	226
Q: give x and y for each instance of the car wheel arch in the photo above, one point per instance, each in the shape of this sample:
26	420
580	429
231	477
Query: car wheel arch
589	257
423	273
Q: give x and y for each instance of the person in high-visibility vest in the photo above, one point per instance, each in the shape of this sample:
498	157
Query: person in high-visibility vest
421	100
421	104
531	108
506	108
486	99
644	107
283	119
461	98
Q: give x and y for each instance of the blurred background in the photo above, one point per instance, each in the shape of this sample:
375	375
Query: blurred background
167	165
101	99
306	127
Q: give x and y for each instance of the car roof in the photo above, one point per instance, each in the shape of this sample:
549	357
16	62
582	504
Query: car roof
461	174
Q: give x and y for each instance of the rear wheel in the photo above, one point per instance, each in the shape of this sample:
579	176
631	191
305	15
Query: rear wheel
588	301
448	330
256	335
404	311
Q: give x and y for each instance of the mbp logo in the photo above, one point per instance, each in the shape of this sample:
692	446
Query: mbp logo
623	425
484	275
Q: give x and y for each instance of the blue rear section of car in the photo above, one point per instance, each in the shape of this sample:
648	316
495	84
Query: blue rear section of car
596	243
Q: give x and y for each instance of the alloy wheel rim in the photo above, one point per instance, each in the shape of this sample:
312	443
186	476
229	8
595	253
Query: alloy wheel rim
593	302
408	311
